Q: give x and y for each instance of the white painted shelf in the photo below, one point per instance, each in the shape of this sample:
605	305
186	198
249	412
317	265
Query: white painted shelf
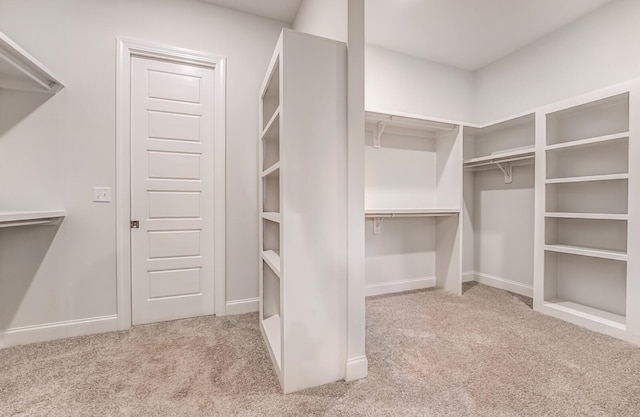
271	216
589	313
590	178
21	71
271	327
588	141
273	169
502	157
591	216
272	258
270	131
412	212
594	253
30	218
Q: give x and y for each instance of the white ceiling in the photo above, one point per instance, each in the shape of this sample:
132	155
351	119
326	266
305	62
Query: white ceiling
282	10
467	34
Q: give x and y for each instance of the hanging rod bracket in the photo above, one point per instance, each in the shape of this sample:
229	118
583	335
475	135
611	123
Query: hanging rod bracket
377	134
507	170
377	225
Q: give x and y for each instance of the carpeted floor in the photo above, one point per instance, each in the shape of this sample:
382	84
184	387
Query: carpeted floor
430	354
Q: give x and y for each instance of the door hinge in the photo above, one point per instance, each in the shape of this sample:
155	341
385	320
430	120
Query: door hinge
135	224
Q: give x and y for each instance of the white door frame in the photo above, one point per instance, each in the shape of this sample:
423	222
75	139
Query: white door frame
126	50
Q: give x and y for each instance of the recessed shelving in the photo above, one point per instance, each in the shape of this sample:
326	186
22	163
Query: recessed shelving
272	170
272	128
594	314
588	142
271	216
594	216
588	178
272	258
582	251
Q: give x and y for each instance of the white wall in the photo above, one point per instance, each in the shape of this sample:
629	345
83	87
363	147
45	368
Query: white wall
326	18
599	50
395	82
52	156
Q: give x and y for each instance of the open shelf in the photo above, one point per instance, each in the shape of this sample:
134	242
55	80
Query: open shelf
501	157
271	327
588	178
588	142
582	251
272	129
600	316
30	218
403	125
588	197
272	258
273	169
271	96
594	216
21	71
413	212
271	216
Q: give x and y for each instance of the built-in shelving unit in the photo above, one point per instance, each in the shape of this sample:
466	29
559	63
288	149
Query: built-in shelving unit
20	71
412	193
30	218
303	210
583	250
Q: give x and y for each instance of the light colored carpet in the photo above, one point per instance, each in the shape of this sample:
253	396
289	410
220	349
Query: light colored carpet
431	354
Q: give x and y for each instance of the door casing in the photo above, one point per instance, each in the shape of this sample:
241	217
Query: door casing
126	49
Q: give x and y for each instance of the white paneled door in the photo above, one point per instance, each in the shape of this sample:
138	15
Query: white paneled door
172	190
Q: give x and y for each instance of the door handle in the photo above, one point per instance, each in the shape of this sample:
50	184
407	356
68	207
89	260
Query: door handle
135	224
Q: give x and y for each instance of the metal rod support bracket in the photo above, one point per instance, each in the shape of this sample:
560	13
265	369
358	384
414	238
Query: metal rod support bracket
507	170
377	135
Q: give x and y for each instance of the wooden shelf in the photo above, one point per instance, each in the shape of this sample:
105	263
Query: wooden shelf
21	71
590	178
273	169
502	157
587	142
30	218
412	212
272	258
406	125
271	216
582	251
272	332
272	129
589	313
591	216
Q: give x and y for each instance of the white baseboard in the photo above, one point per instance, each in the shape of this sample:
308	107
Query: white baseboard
357	368
249	305
504	284
468	276
399	286
60	330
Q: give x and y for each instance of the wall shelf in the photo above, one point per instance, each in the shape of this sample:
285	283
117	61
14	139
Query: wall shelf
592	216
271	216
21	71
588	142
272	258
502	157
414	212
588	178
583	251
273	169
271	130
589	313
30	218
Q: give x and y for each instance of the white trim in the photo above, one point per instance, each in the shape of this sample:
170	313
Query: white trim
391	287
126	50
59	330
248	305
357	368
503	284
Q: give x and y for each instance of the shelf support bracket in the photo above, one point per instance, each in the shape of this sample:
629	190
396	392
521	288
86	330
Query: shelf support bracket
377	223
507	170
377	135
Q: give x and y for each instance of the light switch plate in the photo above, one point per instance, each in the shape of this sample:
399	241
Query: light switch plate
102	194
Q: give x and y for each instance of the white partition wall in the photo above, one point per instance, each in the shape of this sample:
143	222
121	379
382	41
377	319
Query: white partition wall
303	221
413	180
586	254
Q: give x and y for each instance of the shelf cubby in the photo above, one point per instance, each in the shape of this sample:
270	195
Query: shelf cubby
271	96
271	313
589	234
600	118
609	157
271	193
589	284
588	197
